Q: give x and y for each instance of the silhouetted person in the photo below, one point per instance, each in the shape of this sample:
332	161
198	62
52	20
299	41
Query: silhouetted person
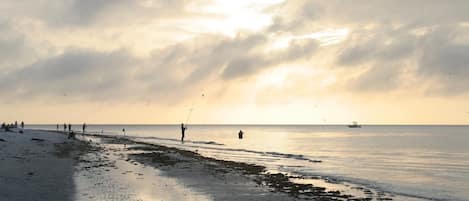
123	130
183	131
84	128
57	127
22	125
69	127
65	127
16	124
240	134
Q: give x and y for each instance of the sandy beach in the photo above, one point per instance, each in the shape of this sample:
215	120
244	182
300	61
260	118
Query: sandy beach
38	165
45	165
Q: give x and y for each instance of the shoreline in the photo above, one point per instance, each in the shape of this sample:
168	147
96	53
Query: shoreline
199	177
167	158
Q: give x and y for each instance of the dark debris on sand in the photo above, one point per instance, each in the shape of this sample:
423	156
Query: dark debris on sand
167	156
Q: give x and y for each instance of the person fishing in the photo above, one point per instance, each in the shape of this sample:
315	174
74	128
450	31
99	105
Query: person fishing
183	130
240	134
183	127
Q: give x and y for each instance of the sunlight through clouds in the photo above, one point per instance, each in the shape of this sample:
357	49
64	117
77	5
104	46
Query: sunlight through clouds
234	16
326	37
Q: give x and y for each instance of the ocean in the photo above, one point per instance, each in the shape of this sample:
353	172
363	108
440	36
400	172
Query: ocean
429	162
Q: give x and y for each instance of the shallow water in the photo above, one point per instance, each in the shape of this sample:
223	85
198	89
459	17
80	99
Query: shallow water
418	161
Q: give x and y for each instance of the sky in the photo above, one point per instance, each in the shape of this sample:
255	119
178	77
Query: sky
235	62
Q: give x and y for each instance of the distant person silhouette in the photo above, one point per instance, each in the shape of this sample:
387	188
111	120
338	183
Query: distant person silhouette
16	124
240	134
123	130
65	127
84	128
183	131
69	127
22	125
57	127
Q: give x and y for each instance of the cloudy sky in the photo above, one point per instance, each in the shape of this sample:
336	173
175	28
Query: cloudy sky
263	61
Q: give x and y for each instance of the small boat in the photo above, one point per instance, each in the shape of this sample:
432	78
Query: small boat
354	125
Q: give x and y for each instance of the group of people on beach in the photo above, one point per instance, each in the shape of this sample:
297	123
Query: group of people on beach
8	127
71	133
69	126
184	128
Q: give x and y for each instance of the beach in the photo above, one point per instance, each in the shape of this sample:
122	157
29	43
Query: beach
38	165
45	165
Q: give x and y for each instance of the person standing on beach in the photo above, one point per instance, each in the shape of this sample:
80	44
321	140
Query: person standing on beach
57	127
183	130
22	124
69	127
65	127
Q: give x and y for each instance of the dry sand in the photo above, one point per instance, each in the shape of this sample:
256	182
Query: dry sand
38	165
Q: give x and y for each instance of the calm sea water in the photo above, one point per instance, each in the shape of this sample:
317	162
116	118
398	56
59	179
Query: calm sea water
423	161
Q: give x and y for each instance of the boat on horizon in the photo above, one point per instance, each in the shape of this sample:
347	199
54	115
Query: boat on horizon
354	125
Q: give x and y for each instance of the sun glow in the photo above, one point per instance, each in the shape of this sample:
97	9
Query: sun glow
232	16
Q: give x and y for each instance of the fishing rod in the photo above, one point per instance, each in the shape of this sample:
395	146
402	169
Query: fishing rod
190	110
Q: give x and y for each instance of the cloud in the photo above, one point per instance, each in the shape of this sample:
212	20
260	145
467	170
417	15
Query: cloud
229	58
291	16
85	13
14	48
439	58
79	73
379	78
239	67
306	13
392	40
445	59
385	37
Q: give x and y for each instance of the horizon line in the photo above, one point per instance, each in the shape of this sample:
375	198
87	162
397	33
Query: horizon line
250	124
